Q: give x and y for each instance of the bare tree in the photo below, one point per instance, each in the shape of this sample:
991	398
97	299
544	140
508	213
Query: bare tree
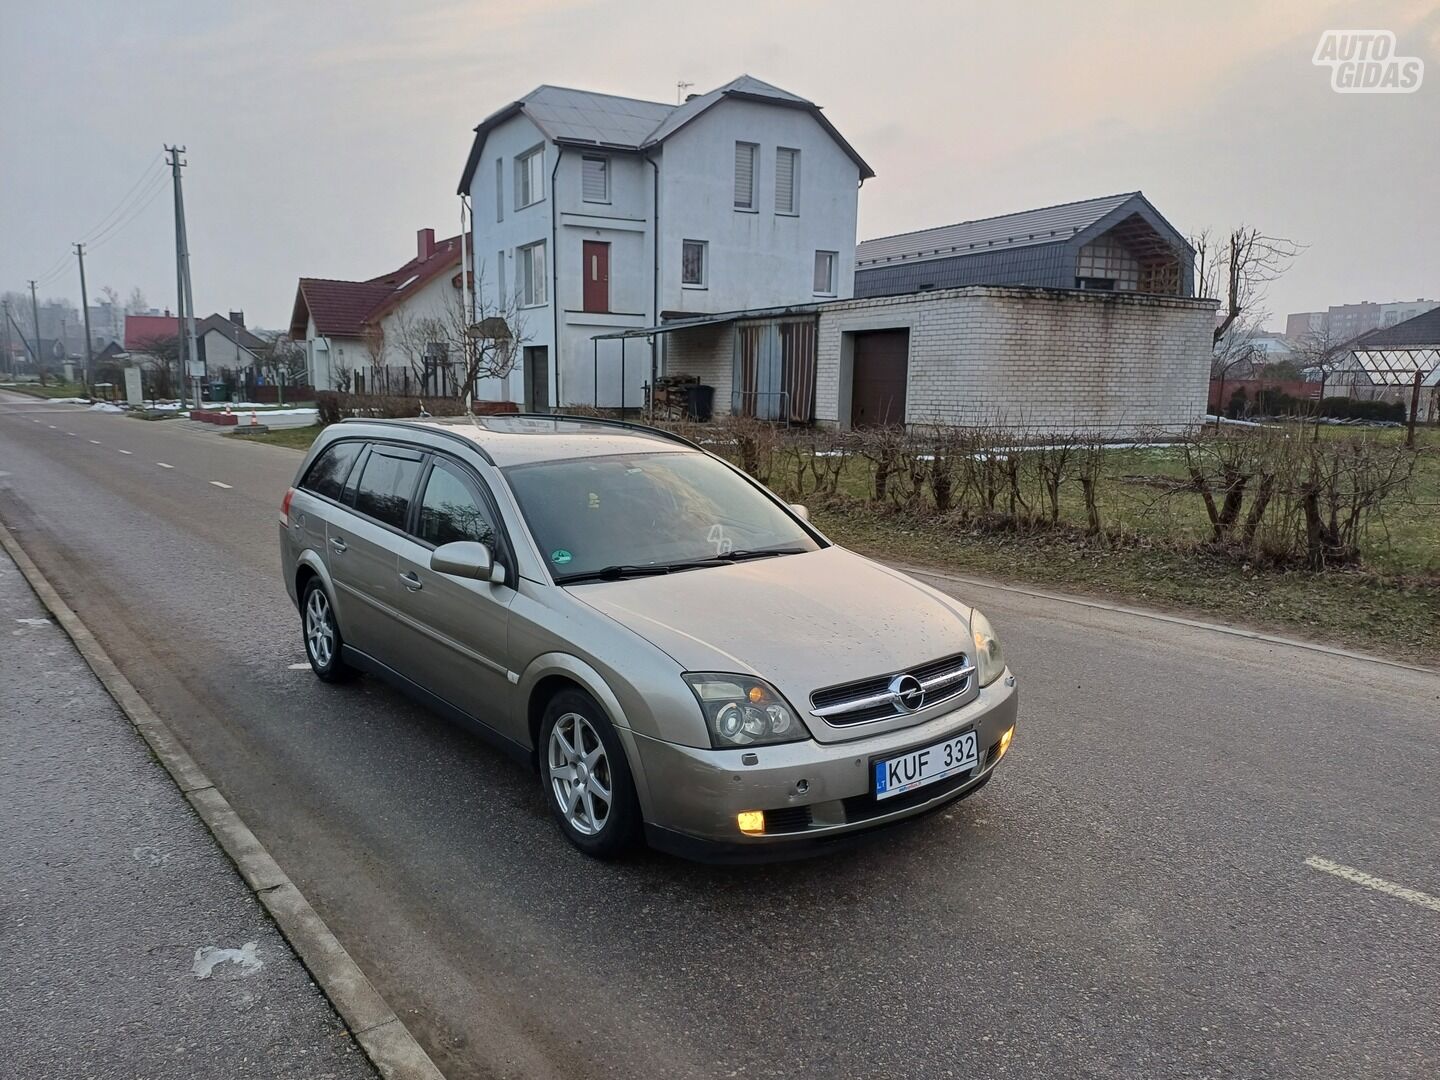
447	345
1239	269
137	304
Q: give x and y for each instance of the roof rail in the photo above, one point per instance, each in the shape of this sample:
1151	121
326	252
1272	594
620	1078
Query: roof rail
473	444
608	422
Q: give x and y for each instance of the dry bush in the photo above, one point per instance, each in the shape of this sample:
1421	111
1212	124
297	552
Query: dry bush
1291	500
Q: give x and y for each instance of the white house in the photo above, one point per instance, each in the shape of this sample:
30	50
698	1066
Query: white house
601	214
225	344
376	334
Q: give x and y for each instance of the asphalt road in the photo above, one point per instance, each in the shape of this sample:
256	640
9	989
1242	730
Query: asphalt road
1129	897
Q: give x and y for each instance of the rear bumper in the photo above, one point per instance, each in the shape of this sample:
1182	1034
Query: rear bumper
814	795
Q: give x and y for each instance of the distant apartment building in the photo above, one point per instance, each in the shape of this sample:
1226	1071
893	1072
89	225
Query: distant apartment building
1344	322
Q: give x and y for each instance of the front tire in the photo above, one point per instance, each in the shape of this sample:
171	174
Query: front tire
322	634
586	777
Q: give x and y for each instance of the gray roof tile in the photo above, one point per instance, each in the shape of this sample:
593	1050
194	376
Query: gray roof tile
1043	226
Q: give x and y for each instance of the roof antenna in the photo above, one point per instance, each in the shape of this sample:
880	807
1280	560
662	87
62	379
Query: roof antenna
680	88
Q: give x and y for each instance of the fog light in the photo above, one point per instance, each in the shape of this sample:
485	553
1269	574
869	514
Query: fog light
751	822
1005	739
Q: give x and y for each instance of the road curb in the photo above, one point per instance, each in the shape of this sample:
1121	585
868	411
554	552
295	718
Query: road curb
387	1042
1160	616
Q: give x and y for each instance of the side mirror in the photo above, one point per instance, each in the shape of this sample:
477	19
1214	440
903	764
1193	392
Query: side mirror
466	559
800	510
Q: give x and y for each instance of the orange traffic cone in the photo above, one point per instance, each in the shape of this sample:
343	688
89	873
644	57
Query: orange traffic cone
254	420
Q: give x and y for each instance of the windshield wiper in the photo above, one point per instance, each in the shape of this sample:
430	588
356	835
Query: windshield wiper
741	554
614	573
737	555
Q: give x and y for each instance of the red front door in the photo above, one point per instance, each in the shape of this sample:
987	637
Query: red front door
597	276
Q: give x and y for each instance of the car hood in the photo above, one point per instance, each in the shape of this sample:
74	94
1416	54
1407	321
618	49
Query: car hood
801	622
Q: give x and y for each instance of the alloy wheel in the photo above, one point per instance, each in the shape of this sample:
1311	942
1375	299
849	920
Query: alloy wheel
319	628
580	774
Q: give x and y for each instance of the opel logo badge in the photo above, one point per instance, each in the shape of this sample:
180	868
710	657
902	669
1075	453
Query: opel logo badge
907	693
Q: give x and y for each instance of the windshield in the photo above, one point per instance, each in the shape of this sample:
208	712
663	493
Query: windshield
645	512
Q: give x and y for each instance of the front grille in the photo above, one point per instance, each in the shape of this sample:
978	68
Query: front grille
868	699
787	819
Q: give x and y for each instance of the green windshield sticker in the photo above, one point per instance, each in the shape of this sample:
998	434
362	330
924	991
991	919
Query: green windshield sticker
560	556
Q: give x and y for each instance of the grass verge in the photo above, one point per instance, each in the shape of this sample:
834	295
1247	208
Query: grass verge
296	438
49	390
1383	615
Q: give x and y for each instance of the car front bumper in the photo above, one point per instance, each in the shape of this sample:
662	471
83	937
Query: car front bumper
813	794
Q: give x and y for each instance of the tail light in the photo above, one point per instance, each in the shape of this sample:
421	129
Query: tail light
285	507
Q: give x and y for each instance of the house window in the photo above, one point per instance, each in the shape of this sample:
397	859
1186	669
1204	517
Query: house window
595	179
787	181
746	154
530	178
692	264
531	275
825	272
500	278
499	189
1096	283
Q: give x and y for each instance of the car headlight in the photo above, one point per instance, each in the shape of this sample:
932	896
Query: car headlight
989	660
744	711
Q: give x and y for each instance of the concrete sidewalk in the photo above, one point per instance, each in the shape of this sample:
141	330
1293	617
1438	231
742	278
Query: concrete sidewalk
129	946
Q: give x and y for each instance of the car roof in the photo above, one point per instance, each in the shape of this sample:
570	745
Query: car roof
520	440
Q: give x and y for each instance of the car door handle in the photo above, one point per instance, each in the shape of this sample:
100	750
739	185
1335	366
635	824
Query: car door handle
338	544
412	581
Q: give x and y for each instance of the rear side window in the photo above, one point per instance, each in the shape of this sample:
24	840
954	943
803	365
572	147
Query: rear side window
327	476
386	486
450	510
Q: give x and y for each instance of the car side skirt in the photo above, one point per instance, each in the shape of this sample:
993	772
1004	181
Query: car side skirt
438	705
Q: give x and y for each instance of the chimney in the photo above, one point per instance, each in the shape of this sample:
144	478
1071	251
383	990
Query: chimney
238	318
424	244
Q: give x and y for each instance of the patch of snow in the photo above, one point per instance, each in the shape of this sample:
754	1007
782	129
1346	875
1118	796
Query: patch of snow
1211	418
69	400
105	406
210	957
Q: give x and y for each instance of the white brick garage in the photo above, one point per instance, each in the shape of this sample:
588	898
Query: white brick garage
1038	359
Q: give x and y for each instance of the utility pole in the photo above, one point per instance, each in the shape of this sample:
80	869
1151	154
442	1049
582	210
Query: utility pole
5	328
189	351
35	314
85	308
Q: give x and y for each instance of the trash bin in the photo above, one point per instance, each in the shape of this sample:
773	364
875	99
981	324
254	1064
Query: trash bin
700	402
219	392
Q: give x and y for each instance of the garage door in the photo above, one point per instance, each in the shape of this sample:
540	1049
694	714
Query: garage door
877	395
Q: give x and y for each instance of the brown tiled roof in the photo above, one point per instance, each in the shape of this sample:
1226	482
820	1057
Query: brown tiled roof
343	308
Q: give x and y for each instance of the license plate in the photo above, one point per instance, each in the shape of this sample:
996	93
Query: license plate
897	775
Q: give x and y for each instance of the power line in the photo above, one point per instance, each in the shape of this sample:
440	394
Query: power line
148	173
136	198
119	225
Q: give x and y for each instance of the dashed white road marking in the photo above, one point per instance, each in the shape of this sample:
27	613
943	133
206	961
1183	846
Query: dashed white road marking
127	451
218	484
50	426
72	434
95	442
163	465
1360	877
298	667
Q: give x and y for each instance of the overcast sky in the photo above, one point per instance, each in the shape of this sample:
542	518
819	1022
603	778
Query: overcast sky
322	135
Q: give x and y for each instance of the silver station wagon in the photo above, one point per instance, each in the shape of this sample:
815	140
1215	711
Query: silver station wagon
679	654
